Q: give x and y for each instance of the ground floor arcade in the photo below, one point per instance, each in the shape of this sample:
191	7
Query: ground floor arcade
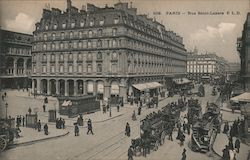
100	87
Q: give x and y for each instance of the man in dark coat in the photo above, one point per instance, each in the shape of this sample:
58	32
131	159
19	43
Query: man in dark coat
90	127
127	130
184	156
139	110
76	130
39	126
23	121
225	155
237	145
46	129
226	128
44	108
130	153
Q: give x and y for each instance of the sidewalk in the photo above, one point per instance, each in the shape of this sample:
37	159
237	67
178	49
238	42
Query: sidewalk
222	140
30	135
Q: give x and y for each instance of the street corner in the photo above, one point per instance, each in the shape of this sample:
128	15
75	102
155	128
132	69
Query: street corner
31	135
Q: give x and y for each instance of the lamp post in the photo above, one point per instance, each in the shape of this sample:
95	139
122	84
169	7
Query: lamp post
110	114
6	112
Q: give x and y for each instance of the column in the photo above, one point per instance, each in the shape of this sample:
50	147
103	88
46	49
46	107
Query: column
15	67
85	87
75	88
107	88
123	90
57	87
66	88
38	86
94	88
25	67
33	86
48	87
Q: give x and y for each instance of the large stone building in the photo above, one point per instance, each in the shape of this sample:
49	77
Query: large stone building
243	47
207	66
15	59
106	51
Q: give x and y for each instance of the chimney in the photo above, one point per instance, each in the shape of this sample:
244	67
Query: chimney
68	3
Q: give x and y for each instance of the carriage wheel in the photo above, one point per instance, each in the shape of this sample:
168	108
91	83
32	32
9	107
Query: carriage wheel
163	135
3	144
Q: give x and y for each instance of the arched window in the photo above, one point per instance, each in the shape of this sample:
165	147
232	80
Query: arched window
61	57
114	56
55	26
52	57
99	43
44	57
99	55
53	36
73	24
45	37
44	46
64	25
82	23
61	45
114	31
89	44
99	68
90	33
70	56
89	56
80	34
114	43
71	34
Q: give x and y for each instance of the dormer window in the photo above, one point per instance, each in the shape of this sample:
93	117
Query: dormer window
37	28
101	22
91	23
55	26
64	25
82	24
46	27
45	37
73	24
116	20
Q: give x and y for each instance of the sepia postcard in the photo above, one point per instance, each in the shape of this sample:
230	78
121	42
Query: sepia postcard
124	79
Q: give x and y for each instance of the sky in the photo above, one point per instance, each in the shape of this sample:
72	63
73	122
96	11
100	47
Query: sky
208	32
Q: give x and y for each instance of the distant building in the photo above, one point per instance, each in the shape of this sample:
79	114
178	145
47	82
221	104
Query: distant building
103	51
206	67
233	72
15	59
243	47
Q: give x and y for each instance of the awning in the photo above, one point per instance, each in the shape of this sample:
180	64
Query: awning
182	81
66	103
244	97
205	77
145	86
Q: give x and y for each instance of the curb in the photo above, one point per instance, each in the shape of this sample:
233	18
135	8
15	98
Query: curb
38	140
226	110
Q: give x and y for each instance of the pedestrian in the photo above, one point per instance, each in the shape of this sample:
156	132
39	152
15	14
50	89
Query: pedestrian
76	130
237	145
182	139
188	128
127	130
118	108
171	134
44	108
39	126
46	129
3	97
226	128
23	121
134	116
184	156
184	126
29	110
225	155
90	127
63	124
230	143
139	110
5	94
130	153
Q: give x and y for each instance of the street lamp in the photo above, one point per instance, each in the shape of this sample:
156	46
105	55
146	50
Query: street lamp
6	112
110	114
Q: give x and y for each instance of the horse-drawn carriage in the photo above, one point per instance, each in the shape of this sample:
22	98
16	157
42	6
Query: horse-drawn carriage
155	127
205	130
7	133
194	110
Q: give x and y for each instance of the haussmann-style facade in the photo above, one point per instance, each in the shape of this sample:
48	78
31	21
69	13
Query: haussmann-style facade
110	51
